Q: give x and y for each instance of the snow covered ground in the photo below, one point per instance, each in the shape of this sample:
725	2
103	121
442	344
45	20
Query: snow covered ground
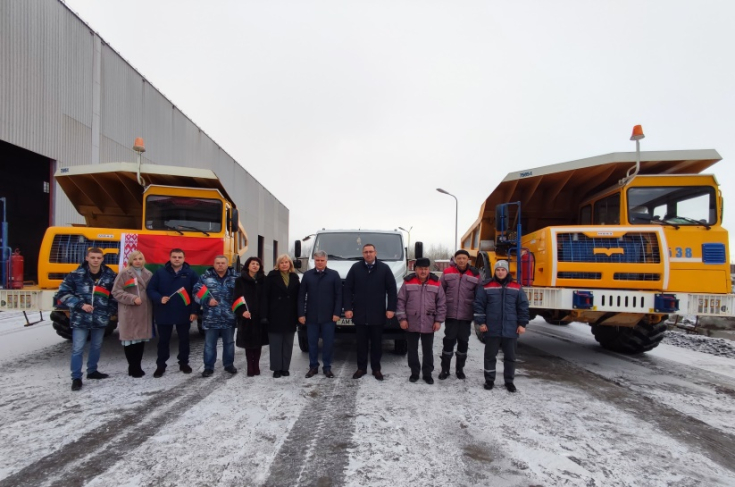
583	417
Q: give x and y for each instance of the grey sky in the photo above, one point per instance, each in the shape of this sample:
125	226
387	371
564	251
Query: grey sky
352	113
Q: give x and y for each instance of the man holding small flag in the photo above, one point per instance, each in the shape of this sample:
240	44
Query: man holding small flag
215	294
86	292
170	289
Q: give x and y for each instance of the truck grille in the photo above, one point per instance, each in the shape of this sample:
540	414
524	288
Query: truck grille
72	249
631	248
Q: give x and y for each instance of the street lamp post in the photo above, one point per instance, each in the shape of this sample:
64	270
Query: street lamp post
409	239
456	216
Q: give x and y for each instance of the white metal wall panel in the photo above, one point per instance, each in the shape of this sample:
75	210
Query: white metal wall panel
48	104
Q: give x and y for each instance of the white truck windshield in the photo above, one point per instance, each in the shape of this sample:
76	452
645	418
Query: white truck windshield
348	245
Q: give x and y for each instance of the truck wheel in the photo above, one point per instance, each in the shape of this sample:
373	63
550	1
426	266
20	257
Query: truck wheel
60	322
641	338
110	328
303	339
199	326
401	346
480	335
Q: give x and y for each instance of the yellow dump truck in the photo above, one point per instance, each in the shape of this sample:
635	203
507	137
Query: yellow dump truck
616	241
129	206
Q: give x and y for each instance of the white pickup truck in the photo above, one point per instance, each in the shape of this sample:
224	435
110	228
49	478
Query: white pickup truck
344	248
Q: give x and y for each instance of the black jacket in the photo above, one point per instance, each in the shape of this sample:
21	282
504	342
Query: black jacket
365	291
250	332
320	296
278	303
166	282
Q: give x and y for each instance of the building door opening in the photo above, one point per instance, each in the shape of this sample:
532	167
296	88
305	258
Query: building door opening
25	183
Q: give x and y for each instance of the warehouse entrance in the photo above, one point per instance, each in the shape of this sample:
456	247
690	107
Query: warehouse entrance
25	184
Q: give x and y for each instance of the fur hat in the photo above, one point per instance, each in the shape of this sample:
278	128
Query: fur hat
422	262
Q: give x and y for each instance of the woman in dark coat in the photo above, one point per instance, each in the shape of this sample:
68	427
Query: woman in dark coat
278	310
251	333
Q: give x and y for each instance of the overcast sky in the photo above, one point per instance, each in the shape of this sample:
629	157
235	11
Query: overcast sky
352	113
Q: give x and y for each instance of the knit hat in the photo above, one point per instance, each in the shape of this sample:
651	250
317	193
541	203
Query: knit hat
503	264
422	262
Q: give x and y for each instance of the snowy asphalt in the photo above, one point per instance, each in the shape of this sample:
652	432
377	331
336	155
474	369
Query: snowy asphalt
583	416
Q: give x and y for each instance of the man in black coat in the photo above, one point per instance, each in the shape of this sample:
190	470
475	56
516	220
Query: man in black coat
366	287
320	306
170	290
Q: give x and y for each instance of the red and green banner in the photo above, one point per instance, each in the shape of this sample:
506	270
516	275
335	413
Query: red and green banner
199	251
239	302
102	292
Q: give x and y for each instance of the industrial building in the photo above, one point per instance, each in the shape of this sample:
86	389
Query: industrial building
68	98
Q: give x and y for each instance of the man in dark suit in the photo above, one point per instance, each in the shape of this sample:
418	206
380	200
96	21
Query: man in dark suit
366	287
320	306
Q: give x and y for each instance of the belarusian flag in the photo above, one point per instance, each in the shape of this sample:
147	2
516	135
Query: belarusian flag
184	295
200	251
238	303
202	294
131	283
102	292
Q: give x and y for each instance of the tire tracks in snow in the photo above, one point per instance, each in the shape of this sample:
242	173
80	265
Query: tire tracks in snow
715	444
316	451
82	460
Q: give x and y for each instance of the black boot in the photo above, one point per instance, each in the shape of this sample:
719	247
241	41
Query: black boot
461	359
446	364
130	357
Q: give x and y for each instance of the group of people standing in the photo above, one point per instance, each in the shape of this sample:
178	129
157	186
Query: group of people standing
265	309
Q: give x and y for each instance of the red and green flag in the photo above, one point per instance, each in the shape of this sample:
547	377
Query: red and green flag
202	294
102	292
239	302
133	282
200	251
184	295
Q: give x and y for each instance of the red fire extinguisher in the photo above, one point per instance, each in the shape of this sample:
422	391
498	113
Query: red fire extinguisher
15	276
528	266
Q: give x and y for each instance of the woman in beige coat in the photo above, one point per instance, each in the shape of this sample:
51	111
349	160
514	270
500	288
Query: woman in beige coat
135	310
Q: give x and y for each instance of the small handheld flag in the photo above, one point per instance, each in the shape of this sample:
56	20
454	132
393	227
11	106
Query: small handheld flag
203	294
239	302
102	292
133	282
184	295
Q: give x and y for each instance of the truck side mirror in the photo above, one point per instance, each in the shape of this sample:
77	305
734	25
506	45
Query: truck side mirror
233	220
297	249
418	250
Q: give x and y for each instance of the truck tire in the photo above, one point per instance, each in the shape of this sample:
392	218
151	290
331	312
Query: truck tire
60	322
303	339
401	346
110	328
199	326
480	335
641	338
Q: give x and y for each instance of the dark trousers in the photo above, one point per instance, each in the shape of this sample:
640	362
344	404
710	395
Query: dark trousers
281	348
427	344
456	331
492	345
134	355
164	340
369	336
326	330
